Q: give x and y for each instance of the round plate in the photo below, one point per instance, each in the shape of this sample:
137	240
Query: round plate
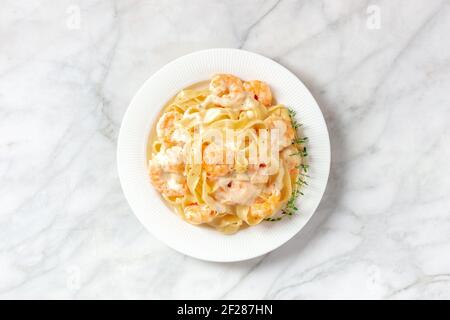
200	241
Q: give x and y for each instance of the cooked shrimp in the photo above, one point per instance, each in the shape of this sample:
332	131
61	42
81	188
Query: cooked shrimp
168	184
179	136
197	214
259	91
263	207
275	183
286	132
171	159
292	160
166	125
213	161
258	173
217	170
226	90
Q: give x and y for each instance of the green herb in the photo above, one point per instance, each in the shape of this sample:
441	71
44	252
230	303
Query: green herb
290	208
303	153
303	174
292	114
273	219
299	140
300	182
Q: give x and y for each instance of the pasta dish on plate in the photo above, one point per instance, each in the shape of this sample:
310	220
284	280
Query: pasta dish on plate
224	154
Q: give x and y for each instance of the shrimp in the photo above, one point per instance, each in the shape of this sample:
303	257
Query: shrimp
260	91
226	90
171	159
213	161
199	213
259	173
179	136
263	207
275	183
292	160
166	125
168	184
286	131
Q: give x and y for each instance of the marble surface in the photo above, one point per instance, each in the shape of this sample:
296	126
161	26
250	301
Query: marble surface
380	71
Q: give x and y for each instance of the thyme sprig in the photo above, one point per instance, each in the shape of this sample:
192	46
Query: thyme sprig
303	153
304	167
291	208
292	115
300	140
273	219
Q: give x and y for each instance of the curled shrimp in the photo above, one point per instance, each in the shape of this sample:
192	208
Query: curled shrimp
259	91
199	213
166	126
258	173
213	161
171	159
263	207
292	160
170	185
226	90
286	131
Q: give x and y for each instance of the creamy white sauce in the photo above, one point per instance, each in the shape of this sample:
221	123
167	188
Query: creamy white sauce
277	185
181	135
211	114
260	176
194	117
284	140
238	193
249	103
291	161
173	183
170	157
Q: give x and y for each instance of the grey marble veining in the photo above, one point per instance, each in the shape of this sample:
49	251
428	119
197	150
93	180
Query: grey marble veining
68	70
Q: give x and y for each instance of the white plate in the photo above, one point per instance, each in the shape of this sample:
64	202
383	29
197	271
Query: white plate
204	242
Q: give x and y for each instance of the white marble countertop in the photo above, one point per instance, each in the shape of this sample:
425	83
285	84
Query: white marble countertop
68	70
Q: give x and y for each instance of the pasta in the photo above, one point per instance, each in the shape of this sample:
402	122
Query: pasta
224	155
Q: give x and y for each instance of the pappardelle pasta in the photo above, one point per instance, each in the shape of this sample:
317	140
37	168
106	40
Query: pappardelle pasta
224	155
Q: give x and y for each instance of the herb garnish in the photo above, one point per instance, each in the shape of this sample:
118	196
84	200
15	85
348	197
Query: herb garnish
303	153
294	122
290	207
